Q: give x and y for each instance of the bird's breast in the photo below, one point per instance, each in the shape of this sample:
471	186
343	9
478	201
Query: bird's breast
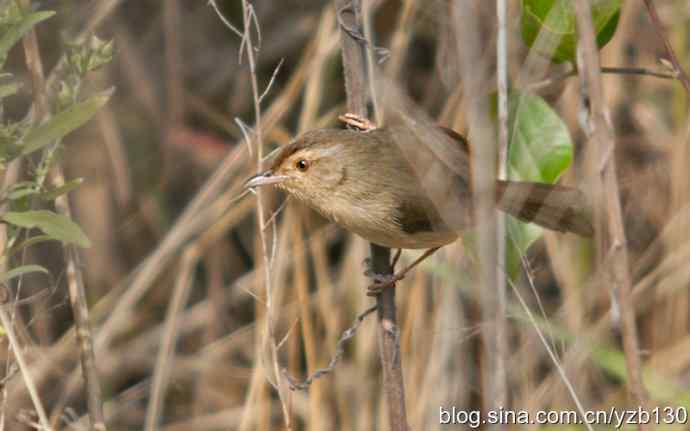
380	221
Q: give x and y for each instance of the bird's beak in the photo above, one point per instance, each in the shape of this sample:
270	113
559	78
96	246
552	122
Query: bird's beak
264	179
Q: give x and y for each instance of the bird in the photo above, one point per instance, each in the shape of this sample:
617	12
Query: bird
373	182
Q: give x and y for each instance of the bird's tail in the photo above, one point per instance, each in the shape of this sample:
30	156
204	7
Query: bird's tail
554	207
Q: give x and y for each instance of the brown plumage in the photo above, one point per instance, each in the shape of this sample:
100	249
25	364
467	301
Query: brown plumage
400	189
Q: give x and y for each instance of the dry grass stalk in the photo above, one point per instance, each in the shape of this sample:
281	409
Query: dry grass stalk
75	281
608	218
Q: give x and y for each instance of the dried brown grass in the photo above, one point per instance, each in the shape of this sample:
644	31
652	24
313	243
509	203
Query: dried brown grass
179	69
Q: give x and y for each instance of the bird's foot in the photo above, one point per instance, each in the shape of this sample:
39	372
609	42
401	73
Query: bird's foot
380	281
360	123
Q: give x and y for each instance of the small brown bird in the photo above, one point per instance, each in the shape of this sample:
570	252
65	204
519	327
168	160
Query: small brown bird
370	184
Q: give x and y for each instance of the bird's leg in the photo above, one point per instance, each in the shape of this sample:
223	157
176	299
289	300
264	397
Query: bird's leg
382	281
360	123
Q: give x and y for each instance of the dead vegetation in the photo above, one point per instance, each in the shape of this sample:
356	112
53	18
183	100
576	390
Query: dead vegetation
179	265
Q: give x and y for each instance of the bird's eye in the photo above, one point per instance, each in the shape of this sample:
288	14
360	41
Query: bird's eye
302	165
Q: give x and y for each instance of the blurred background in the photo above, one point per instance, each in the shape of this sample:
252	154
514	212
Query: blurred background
181	94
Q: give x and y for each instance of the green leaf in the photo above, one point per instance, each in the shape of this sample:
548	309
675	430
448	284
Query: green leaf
540	150
54	225
539	141
22	189
28	243
550	26
63	123
62	190
26	269
18	29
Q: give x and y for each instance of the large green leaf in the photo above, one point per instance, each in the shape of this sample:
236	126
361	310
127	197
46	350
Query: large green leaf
540	150
54	225
63	123
549	26
539	141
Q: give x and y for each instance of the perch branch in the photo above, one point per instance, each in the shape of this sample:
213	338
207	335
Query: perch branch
350	23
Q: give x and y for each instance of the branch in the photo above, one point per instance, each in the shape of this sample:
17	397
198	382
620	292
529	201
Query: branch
640	71
608	214
659	27
349	20
339	350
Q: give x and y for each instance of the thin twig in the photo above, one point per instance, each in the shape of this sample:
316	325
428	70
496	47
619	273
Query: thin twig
225	21
608	214
352	29
248	12
640	71
23	367
271	220
550	351
637	71
659	27
272	80
339	350
246	131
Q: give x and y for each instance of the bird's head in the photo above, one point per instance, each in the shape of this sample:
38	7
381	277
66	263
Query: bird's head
310	167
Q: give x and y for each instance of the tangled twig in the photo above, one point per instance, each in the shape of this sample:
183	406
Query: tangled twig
339	350
381	52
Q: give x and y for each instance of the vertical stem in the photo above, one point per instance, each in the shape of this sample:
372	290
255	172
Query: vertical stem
608	217
482	158
501	300
349	17
389	344
247	13
75	282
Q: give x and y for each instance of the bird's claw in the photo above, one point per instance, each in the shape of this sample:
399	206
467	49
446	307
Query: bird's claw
381	282
360	123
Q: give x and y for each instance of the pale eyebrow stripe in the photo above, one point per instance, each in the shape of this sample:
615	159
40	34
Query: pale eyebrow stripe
330	151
